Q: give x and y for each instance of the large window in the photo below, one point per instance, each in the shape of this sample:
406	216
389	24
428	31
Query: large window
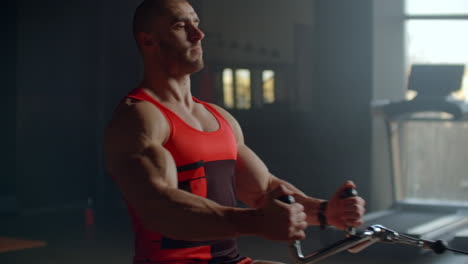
239	90
268	88
436	33
228	88
243	89
433	153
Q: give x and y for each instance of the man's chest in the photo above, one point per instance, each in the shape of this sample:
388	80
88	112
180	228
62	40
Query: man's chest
199	117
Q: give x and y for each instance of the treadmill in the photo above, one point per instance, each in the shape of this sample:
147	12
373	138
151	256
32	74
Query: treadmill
428	149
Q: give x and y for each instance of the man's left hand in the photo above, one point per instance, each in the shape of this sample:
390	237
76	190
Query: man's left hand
345	212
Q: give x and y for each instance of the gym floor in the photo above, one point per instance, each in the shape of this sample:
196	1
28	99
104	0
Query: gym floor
110	241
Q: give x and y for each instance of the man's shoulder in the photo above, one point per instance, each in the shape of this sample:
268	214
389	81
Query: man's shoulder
132	117
130	109
222	111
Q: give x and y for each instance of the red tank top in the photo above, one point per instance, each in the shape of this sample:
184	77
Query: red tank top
205	166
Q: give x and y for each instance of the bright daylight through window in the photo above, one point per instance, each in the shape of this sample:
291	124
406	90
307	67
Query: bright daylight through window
433	154
436	33
243	89
228	88
268	78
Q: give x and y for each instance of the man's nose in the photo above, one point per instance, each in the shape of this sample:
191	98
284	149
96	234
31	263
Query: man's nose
196	34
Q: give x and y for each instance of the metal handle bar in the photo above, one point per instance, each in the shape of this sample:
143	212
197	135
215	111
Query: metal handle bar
355	243
374	233
351	241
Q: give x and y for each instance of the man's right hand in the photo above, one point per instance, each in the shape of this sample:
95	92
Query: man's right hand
280	221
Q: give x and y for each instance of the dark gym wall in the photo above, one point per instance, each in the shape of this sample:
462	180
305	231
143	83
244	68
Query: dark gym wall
8	105
342	92
75	58
119	71
56	107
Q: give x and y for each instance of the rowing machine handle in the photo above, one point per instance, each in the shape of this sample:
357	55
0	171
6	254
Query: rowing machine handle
349	192
289	199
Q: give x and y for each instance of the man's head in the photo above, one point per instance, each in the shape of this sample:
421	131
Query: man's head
167	34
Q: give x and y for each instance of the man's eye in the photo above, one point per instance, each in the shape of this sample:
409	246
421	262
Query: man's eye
179	26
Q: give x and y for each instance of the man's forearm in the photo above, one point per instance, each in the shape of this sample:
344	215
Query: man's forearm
184	216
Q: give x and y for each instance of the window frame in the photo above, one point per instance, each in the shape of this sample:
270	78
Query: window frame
256	96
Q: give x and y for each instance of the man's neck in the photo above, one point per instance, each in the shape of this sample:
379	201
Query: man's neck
169	89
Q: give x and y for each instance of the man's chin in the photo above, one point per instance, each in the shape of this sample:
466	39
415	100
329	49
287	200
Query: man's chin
197	66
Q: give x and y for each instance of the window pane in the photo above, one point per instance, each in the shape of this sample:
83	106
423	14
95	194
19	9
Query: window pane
243	94
436	7
433	156
228	88
268	77
438	42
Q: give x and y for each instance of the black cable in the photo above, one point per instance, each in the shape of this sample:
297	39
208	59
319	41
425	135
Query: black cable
457	251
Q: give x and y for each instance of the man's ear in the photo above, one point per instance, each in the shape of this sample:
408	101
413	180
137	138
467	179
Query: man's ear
145	39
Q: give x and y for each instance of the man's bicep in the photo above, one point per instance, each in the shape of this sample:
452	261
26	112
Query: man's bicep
153	164
143	175
135	157
252	177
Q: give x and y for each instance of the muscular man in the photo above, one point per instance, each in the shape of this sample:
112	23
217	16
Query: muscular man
181	163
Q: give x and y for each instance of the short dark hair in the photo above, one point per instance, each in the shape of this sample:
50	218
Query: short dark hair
145	14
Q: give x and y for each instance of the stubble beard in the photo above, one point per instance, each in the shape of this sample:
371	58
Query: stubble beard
196	64
182	60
